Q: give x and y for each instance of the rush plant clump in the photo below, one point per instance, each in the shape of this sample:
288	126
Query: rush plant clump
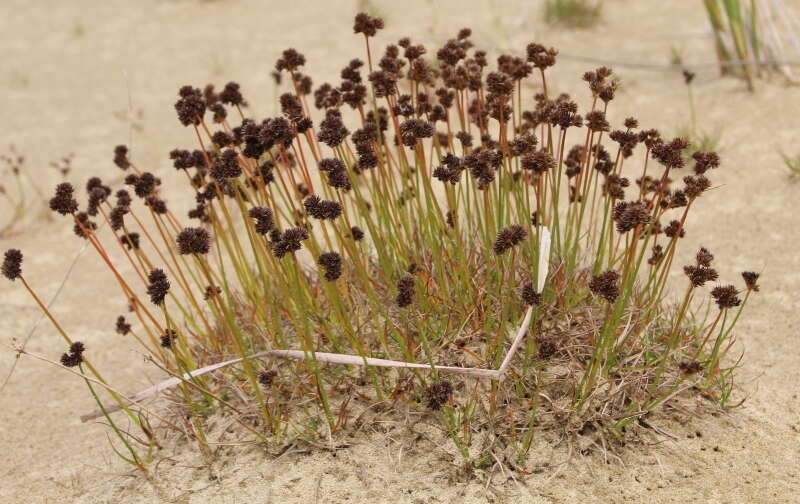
389	251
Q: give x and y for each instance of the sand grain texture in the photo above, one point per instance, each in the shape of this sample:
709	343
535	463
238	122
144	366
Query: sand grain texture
72	69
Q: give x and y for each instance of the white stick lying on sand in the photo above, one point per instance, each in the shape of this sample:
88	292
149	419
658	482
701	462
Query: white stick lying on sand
355	360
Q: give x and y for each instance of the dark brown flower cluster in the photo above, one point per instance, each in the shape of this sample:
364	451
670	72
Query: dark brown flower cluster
524	143
158	286
143	185
596	121
363	139
322	209
629	215
331	262
264	218
184	159
726	296
437	394
627	140
674	230
64	202
565	113
547	347
513	66
690	367
450	170
538	162
606	285
12	264
288	241
211	291
231	94
704	257
751	280
599	83
290	61
529	295
122	327
266	377
225	166
704	161
156	204
276	131
695	185
509	237
670	154
405	290
332	130
482	165
573	163
367	24
614	186
130	240
74	357
168	338
98	194
701	272
84	226
191	106
193	240
540	56
413	130
121	157
337	173
656	256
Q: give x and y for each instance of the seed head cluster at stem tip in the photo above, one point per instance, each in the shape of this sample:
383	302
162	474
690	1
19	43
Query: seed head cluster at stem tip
398	217
12	264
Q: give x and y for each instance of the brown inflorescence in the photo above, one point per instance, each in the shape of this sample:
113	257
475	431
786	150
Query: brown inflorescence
606	285
12	264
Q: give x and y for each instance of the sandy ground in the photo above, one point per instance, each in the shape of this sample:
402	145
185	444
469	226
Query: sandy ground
84	76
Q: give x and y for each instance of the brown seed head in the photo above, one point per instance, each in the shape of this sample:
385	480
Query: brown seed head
726	296
367	25
122	327
751	280
331	262
509	237
158	286
438	394
529	295
193	240
605	285
405	290
64	202
12	264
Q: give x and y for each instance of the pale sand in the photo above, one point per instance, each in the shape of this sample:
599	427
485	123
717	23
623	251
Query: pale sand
66	70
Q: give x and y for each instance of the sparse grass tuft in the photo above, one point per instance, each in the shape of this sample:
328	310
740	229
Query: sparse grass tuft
699	138
792	164
573	13
753	39
19	193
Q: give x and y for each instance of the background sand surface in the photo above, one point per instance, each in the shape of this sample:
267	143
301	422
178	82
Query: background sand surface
83	76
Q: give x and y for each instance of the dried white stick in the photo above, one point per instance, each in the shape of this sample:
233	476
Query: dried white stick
355	360
351	360
544	261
